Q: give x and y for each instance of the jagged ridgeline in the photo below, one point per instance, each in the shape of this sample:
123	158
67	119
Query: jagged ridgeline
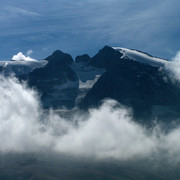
133	78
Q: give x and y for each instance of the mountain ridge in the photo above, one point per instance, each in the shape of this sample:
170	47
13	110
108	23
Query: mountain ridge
134	79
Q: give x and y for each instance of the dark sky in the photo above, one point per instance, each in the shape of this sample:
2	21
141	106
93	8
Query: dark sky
85	26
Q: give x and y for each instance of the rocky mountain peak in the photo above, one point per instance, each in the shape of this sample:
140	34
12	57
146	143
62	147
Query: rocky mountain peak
83	58
106	57
58	58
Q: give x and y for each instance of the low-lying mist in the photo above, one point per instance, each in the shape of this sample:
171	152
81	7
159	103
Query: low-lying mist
106	132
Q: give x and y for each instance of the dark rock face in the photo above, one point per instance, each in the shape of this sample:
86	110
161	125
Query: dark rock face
53	79
136	85
106	57
1	69
84	58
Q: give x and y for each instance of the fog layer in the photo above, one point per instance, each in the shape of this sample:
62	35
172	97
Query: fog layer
106	132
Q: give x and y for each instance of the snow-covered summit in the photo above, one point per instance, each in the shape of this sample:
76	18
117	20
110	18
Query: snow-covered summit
141	57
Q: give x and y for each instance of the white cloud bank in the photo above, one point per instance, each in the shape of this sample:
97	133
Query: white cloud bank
21	57
174	67
107	132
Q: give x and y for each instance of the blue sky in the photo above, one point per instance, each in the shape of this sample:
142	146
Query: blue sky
85	26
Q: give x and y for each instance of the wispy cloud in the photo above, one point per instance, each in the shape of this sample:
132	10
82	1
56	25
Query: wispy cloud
21	11
29	52
107	132
174	67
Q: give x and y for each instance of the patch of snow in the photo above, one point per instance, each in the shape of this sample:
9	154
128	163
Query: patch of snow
142	57
88	76
67	85
89	83
86	72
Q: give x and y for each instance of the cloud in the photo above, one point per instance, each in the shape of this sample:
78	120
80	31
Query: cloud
107	132
21	11
173	67
177	57
29	52
21	57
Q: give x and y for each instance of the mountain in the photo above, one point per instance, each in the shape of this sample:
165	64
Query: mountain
83	58
56	81
133	78
136	80
106	57
141	86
